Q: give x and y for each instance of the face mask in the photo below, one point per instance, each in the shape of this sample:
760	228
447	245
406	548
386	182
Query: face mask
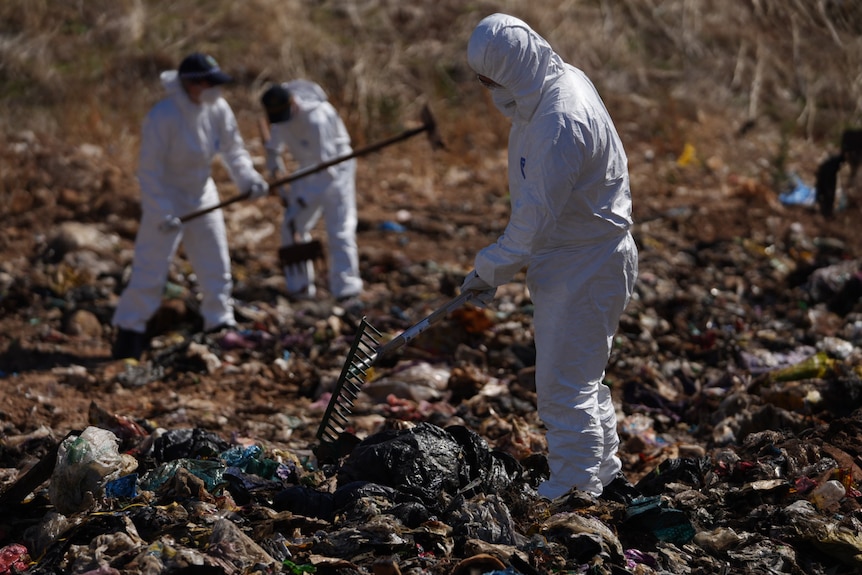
504	100
210	95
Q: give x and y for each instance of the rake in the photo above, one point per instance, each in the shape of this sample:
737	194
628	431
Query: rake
429	125
364	352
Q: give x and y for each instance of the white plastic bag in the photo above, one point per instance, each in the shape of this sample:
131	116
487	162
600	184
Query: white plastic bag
84	464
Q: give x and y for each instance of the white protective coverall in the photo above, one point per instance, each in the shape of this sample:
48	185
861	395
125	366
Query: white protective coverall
569	224
315	134
179	141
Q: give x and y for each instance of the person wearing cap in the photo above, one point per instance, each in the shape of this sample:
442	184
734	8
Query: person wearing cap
181	136
304	122
571	213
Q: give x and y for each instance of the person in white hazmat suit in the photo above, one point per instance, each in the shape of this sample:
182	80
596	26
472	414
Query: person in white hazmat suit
304	122
181	136
569	225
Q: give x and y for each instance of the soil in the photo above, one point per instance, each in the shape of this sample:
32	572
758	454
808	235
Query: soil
429	216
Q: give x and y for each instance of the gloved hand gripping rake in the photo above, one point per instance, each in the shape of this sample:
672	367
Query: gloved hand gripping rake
364	352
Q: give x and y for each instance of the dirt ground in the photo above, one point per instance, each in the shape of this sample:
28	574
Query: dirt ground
421	221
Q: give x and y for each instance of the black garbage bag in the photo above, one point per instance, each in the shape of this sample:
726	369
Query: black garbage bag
248	487
424	461
411	514
309	502
486	518
495	471
688	471
151	521
406	508
305	501
348	494
187	443
654	516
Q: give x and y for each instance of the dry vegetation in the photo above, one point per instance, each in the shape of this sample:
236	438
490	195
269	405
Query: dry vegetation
86	71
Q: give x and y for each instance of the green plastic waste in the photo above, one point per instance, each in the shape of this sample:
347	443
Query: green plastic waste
818	365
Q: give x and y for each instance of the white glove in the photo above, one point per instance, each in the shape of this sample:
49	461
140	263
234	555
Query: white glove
170	224
482	290
274	162
258	189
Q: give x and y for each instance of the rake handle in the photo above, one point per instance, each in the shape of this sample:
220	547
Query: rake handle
308	171
429	125
223	204
301	173
413	331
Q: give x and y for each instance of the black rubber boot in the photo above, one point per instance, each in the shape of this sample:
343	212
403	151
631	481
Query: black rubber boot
129	344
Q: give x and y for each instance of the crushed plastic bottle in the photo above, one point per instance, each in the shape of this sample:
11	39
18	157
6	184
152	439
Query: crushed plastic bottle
816	366
827	494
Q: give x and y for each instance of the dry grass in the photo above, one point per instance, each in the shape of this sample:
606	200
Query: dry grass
87	71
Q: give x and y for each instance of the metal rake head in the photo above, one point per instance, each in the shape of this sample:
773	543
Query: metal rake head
362	354
298	254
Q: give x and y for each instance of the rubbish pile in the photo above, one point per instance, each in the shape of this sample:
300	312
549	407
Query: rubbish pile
422	498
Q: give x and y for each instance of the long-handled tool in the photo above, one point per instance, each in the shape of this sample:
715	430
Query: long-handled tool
364	352
428	125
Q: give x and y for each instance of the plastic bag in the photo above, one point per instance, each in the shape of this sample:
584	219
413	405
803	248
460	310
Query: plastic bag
84	464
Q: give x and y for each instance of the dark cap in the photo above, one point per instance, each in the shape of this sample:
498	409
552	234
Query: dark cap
198	67
276	102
